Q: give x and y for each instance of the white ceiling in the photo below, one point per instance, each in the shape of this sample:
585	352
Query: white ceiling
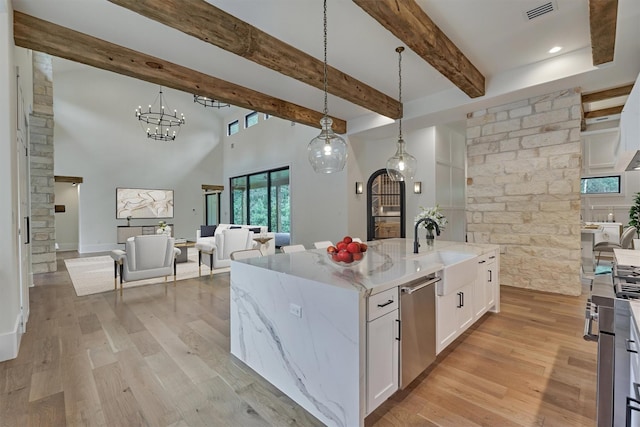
509	50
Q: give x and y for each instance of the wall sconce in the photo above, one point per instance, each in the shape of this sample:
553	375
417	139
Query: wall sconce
417	187
359	187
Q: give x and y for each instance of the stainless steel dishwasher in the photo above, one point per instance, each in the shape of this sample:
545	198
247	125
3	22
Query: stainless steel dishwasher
417	327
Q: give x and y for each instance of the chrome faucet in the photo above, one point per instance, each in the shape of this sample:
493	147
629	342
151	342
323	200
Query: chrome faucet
416	245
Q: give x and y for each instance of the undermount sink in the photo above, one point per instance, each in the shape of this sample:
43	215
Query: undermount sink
459	269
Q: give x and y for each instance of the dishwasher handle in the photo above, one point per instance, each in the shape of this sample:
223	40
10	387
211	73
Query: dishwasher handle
412	289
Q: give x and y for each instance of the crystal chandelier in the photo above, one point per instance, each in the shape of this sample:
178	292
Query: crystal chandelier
209	102
402	166
164	122
327	151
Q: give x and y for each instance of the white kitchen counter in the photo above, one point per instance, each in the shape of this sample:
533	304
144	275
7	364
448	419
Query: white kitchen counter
388	263
299	321
627	257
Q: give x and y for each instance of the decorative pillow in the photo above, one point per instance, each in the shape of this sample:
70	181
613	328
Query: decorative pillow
207	230
256	230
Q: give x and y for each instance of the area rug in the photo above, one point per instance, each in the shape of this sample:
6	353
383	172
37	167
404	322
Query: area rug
92	275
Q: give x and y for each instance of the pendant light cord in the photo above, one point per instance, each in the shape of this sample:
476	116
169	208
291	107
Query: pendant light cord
326	110
399	50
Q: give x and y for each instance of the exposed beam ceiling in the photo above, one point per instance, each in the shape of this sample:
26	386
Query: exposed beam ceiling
212	25
43	36
610	103
603	15
407	21
607	94
603	112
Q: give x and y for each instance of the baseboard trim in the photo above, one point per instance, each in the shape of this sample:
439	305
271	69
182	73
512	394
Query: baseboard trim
105	247
10	342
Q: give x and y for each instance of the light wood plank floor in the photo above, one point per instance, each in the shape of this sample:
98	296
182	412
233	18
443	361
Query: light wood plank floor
161	357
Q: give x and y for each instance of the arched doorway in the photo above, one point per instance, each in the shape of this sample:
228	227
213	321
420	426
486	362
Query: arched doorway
385	207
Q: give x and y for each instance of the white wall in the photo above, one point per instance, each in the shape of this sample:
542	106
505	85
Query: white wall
9	222
98	138
444	143
318	201
67	222
599	147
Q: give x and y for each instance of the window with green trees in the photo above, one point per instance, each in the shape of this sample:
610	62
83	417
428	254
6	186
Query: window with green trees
600	185
262	199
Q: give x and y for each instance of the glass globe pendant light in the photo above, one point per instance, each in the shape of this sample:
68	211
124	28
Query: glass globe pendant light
328	151
402	166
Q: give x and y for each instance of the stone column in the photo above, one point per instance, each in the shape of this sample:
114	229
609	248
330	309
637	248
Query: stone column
42	180
523	192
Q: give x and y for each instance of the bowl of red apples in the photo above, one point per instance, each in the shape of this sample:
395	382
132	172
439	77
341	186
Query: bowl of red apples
347	253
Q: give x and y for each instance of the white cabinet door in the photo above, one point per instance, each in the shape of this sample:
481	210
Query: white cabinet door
480	301
382	359
446	319
486	284
493	281
465	307
454	314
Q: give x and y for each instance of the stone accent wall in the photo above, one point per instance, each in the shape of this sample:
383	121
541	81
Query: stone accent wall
43	234
523	190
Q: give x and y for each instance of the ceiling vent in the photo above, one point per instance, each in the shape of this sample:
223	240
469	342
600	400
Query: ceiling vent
543	9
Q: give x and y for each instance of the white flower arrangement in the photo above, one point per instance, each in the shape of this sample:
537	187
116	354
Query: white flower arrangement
434	214
163	228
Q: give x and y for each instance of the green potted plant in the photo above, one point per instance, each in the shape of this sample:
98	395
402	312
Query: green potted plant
634	214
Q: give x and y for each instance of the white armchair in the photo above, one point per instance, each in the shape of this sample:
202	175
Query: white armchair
145	257
217	254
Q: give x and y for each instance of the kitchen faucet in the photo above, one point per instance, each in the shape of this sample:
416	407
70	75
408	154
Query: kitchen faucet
416	245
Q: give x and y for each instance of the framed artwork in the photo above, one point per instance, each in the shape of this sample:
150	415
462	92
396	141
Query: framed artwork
143	203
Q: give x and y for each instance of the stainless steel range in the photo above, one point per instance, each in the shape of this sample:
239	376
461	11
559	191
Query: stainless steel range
618	403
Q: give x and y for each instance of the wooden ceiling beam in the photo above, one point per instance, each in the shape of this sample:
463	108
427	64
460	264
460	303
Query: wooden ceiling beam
43	36
607	93
206	22
69	179
407	21
603	112
603	16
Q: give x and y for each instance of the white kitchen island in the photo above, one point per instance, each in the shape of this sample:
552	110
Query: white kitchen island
301	322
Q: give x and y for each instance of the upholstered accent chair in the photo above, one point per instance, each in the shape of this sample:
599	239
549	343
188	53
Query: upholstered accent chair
145	257
322	245
293	248
625	243
245	254
217	254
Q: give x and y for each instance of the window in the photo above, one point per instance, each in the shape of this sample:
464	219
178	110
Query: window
600	185
262	199
211	208
250	119
233	128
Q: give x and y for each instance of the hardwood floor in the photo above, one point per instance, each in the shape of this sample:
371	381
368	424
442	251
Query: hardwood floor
160	357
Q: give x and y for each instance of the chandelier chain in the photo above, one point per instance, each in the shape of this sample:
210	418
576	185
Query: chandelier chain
399	50
326	109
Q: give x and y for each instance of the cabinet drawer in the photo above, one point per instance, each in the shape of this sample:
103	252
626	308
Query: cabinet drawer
382	303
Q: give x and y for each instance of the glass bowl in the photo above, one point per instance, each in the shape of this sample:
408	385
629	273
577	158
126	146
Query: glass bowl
334	261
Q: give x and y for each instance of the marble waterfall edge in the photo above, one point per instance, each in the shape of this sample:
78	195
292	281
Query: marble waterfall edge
315	358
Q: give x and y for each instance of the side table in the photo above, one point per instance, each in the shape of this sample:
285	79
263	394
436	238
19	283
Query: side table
184	246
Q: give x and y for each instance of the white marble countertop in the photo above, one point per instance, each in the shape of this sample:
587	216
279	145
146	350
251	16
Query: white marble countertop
388	263
627	257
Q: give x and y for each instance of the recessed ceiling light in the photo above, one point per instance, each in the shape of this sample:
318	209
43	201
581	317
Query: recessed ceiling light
555	49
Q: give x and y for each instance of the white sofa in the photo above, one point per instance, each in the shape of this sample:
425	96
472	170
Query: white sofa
215	251
268	248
